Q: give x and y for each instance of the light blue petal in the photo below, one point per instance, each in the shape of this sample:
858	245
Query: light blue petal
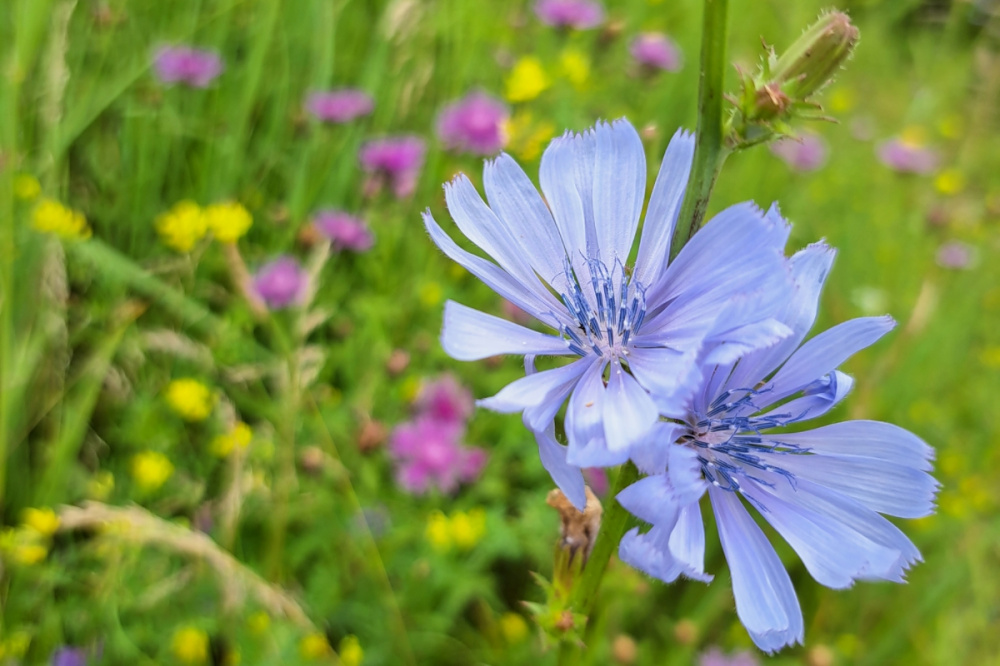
818	398
664	206
668	374
619	188
765	599
470	335
652	499
571	208
539	303
684	471
881	486
585	425
687	543
650	553
540	395
809	268
729	346
652	453
514	199
824	353
871	439
834	554
568	478
629	412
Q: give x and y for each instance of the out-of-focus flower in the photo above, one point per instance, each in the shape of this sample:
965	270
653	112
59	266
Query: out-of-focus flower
344	231
238	438
26	187
15	644
654	50
716	657
151	469
187	65
526	138
314	646
50	216
182	226
806	152
428	454
955	255
526	80
462	530
69	656
44	521
259	623
575	67
339	106
350	652
564	263
397	158
822	490
280	282
228	221
190	645
908	154
190	399
99	487
597	479
474	124
576	14
513	627
624	650
444	399
949	182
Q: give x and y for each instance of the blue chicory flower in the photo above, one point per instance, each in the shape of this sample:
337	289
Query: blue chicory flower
635	332
821	489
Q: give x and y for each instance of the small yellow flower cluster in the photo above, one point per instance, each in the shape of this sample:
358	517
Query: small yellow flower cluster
526	138
26	187
190	399
187	223
462	530
228	221
527	80
513	627
190	645
29	543
350	651
314	646
236	439
151	469
575	67
52	217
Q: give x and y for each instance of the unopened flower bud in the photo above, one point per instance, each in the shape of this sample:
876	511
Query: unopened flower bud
815	57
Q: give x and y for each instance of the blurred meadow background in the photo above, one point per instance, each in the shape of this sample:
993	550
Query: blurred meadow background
233	444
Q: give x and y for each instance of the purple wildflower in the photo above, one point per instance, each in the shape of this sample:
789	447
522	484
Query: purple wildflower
656	51
907	157
429	454
185	64
577	14
955	255
716	657
280	282
339	106
69	656
804	153
823	490
597	479
474	124
564	263
345	231
397	158
444	400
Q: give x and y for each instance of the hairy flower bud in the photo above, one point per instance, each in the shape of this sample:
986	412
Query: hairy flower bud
811	62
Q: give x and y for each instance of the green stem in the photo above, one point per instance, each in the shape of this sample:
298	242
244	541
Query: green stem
709	151
709	155
285	474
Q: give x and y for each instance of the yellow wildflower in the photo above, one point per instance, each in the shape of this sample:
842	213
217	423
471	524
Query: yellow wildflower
314	646
513	627
430	294
190	399
259	623
841	100
29	553
574	66
350	651
26	187
50	216
44	520
237	438
100	486
182	226
228	221
527	80
151	469
914	136
949	181
526	138
439	532
467	529
190	645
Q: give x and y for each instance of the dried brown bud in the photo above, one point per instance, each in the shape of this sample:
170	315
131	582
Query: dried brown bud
579	529
565	621
371	436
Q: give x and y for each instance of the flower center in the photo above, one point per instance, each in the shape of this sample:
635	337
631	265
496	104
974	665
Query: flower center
608	316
